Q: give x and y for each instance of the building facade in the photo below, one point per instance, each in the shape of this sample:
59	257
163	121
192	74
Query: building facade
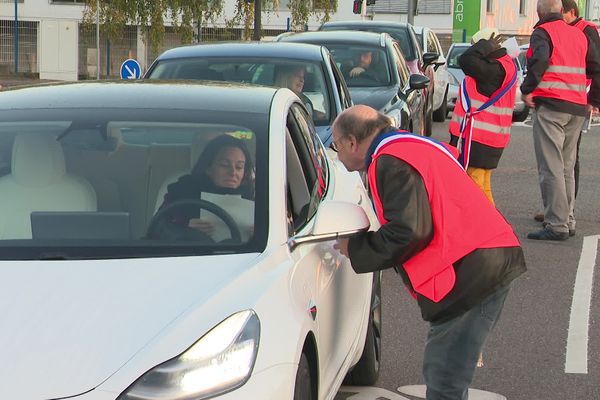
46	37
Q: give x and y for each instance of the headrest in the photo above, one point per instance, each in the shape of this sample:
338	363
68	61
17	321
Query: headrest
485	33
37	159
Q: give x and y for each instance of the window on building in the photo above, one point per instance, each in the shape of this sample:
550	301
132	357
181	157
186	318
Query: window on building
522	7
401	6
490	6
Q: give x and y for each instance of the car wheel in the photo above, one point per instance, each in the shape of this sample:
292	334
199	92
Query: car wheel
521	116
439	115
304	388
366	371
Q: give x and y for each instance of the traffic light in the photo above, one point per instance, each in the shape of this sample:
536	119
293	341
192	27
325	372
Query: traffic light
357	7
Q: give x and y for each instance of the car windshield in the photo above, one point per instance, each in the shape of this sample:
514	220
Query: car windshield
306	79
399	34
453	55
370	65
80	183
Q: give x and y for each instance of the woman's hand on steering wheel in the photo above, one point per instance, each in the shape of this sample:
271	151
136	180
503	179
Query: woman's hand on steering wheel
202	225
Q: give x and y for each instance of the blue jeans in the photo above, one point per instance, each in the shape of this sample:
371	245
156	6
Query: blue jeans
453	348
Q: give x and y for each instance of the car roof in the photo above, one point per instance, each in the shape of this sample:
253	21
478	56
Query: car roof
367	23
182	95
300	51
341	37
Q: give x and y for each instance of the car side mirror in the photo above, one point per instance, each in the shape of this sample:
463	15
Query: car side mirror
430	58
334	220
417	82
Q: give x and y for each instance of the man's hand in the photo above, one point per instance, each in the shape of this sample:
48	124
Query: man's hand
528	100
342	246
495	41
356	71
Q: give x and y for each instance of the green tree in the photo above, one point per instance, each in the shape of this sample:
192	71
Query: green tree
151	15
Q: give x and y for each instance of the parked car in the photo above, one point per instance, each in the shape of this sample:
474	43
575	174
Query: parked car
386	84
258	63
456	75
430	44
418	63
107	293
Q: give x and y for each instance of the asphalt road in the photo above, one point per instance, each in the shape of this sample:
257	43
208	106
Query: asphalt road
525	357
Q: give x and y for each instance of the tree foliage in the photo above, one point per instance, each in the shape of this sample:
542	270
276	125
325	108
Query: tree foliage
184	15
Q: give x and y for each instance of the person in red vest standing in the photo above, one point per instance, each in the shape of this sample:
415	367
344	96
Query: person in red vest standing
482	118
455	252
558	61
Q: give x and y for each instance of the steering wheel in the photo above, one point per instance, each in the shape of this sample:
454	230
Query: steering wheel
160	227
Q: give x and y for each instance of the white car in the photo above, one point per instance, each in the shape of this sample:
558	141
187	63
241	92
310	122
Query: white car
431	44
456	75
109	292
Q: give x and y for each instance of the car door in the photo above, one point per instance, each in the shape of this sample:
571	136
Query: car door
339	295
414	99
440	76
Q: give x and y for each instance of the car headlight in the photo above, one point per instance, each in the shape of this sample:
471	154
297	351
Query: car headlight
220	361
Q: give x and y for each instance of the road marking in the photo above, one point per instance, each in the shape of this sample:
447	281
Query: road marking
366	393
576	361
474	394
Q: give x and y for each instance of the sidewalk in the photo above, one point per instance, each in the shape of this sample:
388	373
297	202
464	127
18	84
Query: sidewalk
11	80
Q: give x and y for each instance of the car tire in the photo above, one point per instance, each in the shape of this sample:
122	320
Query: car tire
366	371
440	114
304	388
521	116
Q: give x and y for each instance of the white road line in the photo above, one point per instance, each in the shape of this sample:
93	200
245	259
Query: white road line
576	361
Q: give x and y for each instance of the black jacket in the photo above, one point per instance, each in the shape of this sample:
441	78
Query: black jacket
541	47
410	229
480	62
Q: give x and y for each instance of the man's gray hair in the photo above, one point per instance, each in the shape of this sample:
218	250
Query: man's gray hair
349	124
545	7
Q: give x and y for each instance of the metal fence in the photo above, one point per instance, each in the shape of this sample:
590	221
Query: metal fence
27	47
112	52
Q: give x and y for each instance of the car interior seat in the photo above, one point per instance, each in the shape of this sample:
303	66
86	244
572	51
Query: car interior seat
39	182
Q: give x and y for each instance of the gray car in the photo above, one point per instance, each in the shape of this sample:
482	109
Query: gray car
324	89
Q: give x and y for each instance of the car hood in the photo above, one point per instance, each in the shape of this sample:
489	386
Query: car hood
67	326
376	97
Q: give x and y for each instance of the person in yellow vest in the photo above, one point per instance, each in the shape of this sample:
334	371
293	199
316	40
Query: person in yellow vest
482	118
558	61
455	252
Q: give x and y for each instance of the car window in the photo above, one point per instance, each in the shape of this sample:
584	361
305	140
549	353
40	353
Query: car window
271	72
431	45
131	183
401	34
347	58
310	154
453	55
340	84
403	72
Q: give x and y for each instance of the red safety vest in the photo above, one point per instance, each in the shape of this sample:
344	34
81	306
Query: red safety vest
581	24
463	218
491	126
565	77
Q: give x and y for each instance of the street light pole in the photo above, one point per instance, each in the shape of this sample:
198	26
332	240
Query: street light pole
97	39
16	39
411	12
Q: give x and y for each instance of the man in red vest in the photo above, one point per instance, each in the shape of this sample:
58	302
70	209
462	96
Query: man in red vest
482	118
558	61
454	251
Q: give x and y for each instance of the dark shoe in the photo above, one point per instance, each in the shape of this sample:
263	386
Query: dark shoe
571	232
548	234
539	217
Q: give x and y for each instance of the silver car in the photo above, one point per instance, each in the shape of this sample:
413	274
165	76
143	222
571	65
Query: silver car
456	75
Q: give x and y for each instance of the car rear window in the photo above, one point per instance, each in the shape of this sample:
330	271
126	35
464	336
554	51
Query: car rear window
453	55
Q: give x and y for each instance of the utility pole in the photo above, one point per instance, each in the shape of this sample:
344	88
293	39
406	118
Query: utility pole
16	39
97	39
257	15
411	11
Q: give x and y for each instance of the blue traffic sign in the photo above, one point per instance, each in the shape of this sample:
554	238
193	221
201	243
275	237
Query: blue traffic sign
131	69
